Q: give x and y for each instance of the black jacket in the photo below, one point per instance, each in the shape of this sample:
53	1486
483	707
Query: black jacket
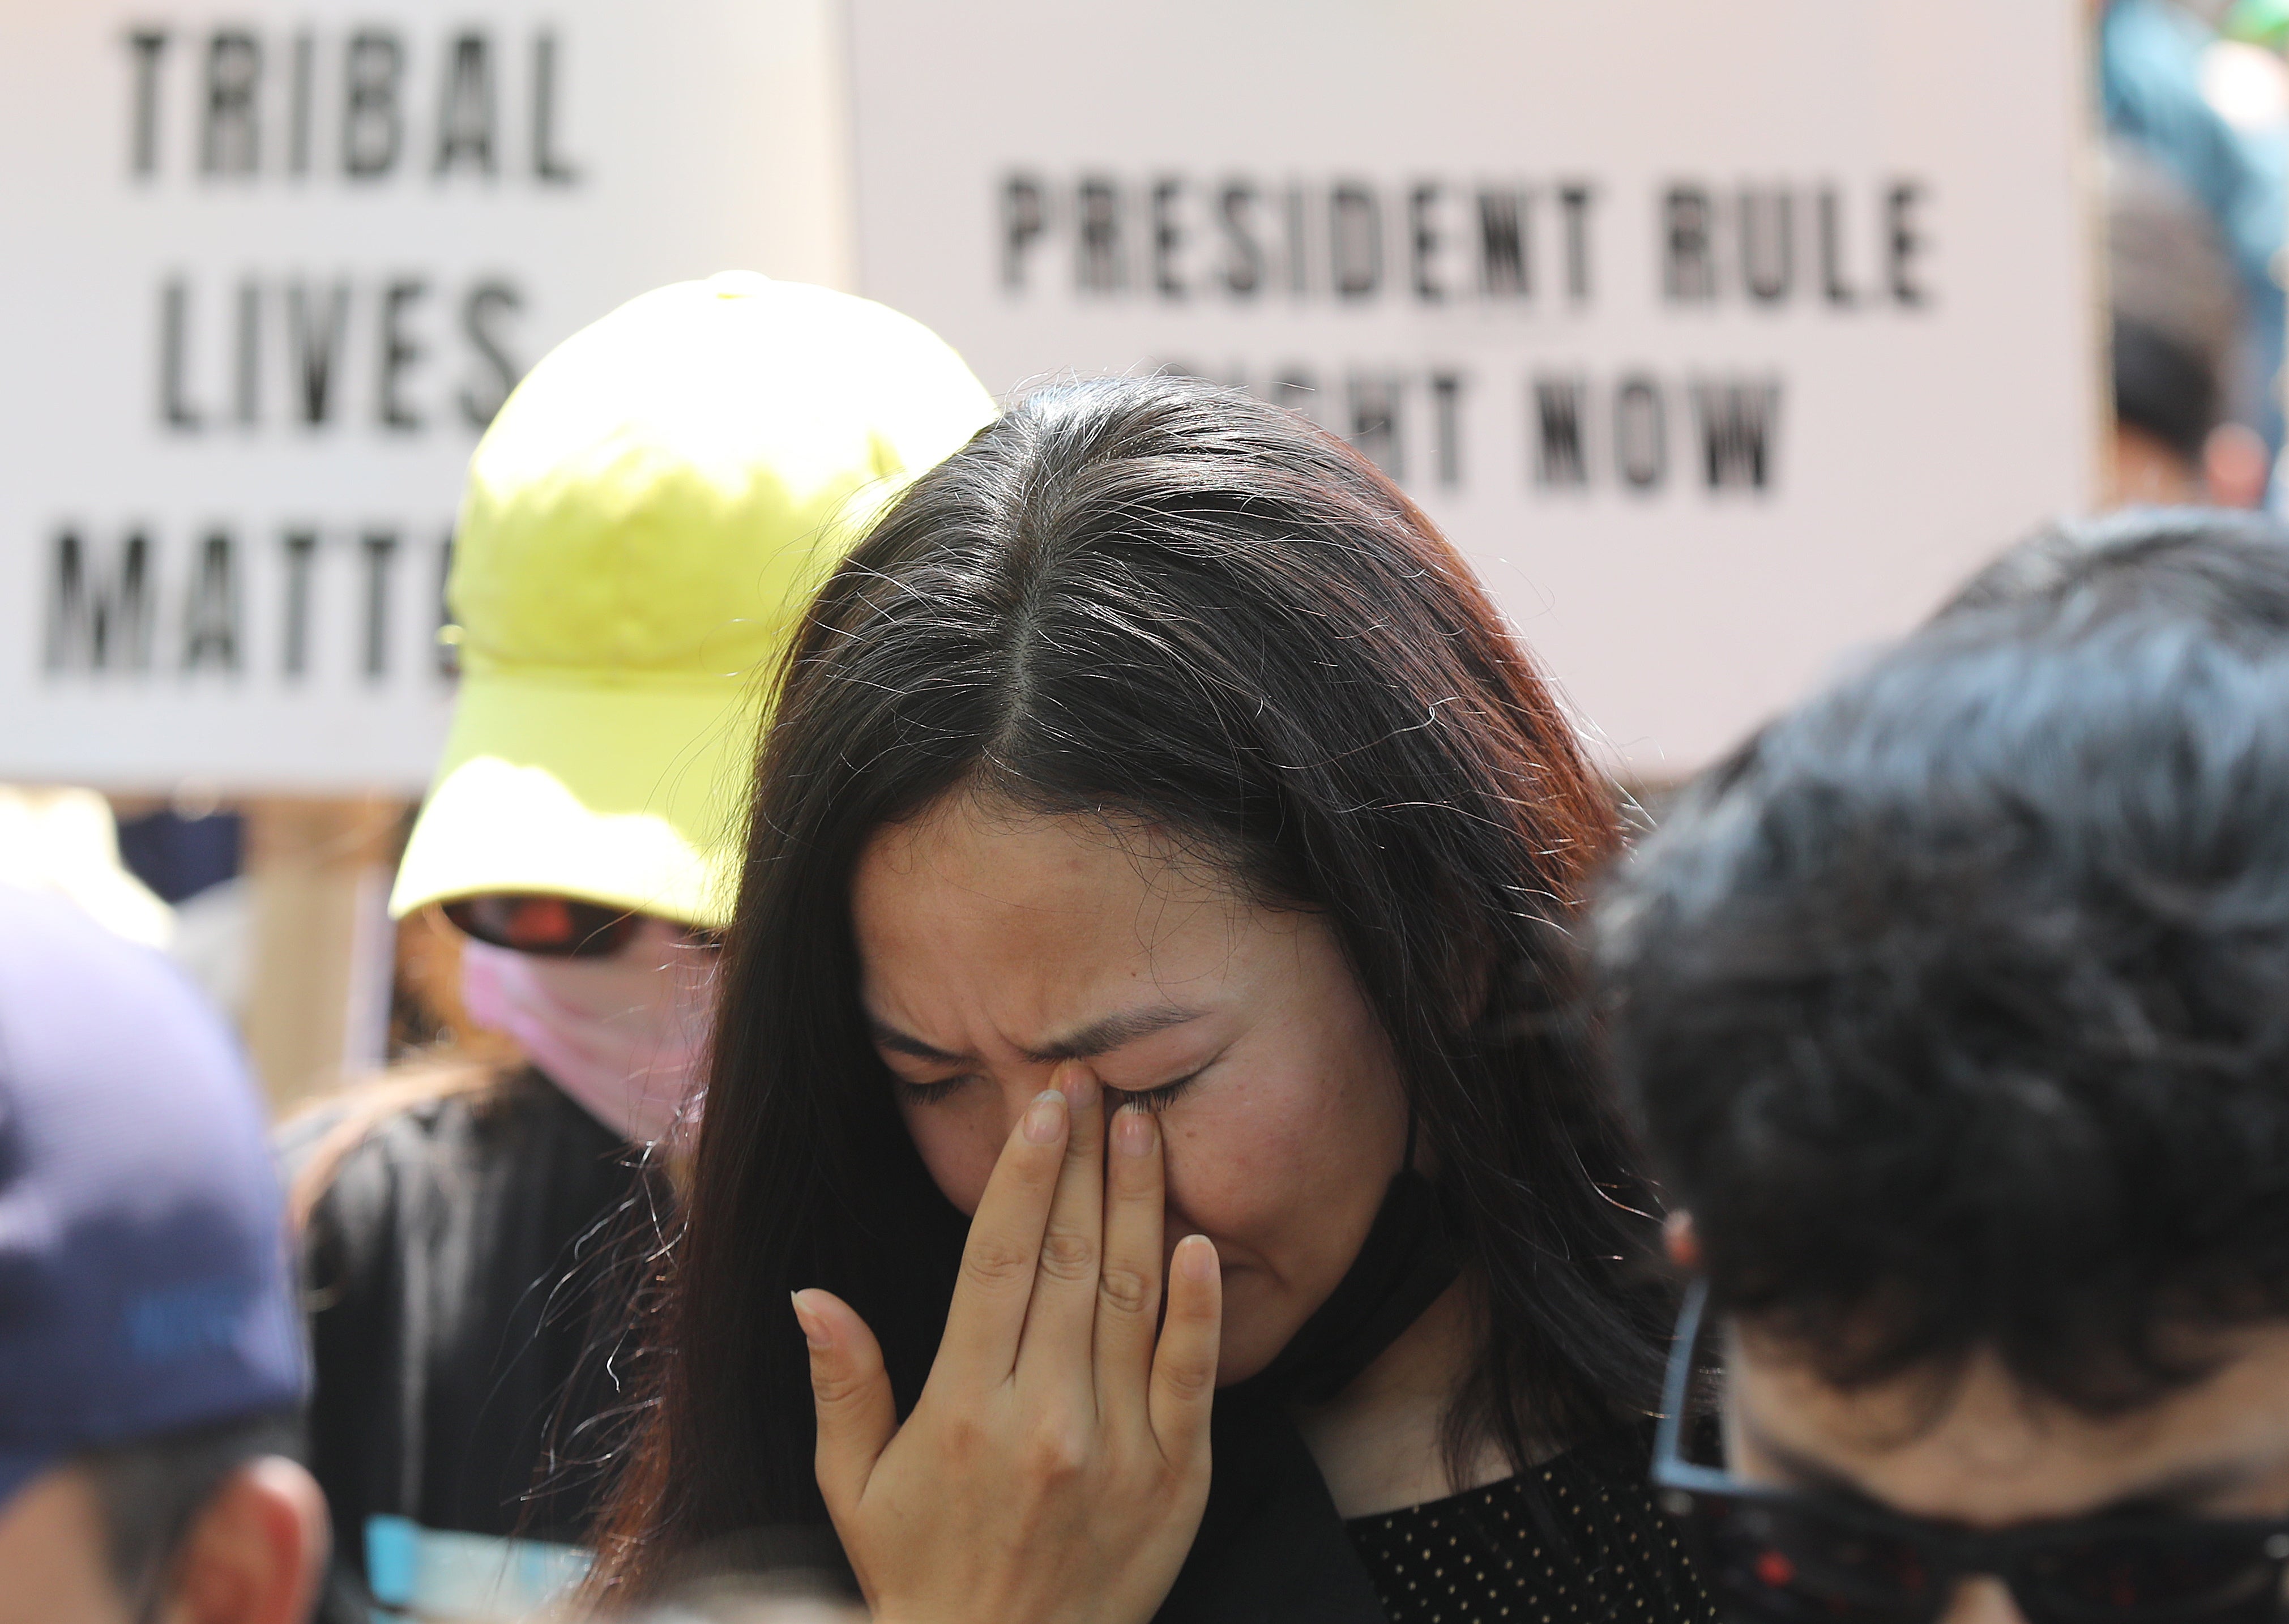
459	1276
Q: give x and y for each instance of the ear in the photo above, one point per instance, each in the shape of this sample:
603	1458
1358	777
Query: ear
1678	1240
2234	467
256	1551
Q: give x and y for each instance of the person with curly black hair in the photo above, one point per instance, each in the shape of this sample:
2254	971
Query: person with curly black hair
1956	1004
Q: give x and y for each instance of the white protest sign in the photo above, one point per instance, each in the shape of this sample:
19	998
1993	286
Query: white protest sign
270	268
1723	338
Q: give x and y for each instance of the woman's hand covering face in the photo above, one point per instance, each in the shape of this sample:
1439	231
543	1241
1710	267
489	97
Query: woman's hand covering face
1057	1463
996	945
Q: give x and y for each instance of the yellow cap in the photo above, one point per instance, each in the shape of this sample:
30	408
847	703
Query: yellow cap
644	522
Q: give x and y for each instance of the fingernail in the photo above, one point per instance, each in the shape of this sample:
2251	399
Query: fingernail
1132	1131
813	1330
1078	1083
1045	1118
1196	1257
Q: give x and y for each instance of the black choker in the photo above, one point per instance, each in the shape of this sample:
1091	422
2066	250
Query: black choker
1271	1547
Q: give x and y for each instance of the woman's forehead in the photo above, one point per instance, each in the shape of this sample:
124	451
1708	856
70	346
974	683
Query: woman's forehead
1047	921
989	862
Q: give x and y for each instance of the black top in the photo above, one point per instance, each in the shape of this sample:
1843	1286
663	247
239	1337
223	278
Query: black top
453	1270
1575	1539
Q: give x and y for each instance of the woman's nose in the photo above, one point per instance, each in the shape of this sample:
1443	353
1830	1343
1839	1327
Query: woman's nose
1982	1600
1019	1090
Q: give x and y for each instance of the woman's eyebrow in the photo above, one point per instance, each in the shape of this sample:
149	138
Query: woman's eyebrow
1098	1037
1102	1037
889	1036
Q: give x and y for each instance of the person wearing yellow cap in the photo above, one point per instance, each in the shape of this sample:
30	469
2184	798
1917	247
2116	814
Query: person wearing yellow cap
643	523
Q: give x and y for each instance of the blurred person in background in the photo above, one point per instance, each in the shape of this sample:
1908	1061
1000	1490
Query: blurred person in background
64	842
2176	306
1954	1005
1156	896
644	522
2156	64
151	1361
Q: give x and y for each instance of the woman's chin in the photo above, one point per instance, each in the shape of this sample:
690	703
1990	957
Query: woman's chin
1255	1330
1233	1370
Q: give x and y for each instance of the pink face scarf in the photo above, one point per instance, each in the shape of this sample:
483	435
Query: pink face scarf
625	1036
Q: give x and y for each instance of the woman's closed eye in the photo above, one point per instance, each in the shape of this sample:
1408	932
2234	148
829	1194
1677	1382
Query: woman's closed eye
927	1093
1154	1100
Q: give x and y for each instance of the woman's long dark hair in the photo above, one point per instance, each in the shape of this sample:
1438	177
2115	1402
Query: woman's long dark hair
1165	602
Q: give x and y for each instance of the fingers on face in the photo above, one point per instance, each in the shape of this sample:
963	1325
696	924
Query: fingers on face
851	1392
998	1262
1060	1323
1185	1364
1062	1274
1128	1288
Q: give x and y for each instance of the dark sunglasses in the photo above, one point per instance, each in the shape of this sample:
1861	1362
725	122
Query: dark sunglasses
1788	1556
553	926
